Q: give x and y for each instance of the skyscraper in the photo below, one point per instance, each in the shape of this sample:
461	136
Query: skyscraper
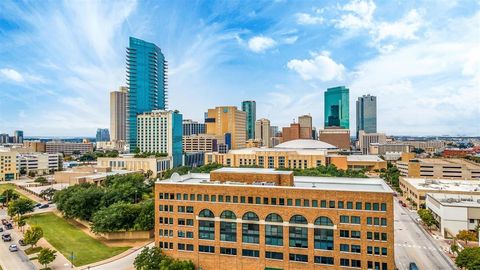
103	135
337	107
147	83
262	131
367	114
191	127
250	107
118	114
18	136
305	122
227	124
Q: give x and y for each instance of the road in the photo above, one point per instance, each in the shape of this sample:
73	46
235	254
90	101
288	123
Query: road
414	244
125	263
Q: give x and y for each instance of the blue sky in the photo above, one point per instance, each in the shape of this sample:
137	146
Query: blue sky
59	60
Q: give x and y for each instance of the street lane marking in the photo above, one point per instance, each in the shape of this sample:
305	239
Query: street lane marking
416	246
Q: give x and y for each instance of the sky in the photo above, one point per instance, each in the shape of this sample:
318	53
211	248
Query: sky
60	59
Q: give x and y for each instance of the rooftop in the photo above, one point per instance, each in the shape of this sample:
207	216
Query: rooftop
471	201
305	144
444	184
449	161
371	158
251	170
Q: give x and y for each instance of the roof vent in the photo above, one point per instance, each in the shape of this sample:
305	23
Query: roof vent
176	177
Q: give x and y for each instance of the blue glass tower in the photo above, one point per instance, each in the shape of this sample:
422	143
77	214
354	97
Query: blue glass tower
147	83
337	107
177	136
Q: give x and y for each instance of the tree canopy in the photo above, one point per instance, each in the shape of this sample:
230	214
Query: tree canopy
33	235
46	256
20	207
469	258
124	216
427	217
154	259
466	236
79	201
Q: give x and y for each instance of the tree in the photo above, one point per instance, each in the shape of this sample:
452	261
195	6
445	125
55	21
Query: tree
46	256
149	259
33	235
117	217
20	207
466	236
469	258
21	222
9	195
48	193
145	220
79	201
427	217
41	180
31	174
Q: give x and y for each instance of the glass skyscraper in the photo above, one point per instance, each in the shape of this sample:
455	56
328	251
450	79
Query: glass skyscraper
367	114
250	107
147	83
337	107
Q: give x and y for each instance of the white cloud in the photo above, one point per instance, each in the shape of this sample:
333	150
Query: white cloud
12	74
405	28
259	44
290	40
307	19
319	67
359	14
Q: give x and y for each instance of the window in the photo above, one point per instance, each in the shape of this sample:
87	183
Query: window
228	251
250	253
356	263
384	221
358	205
181	246
298	257
355	248
189	222
273	255
250	200
356	234
345	233
324	260
323	238
206	228
281	201
235	199
220	198
274	201
368	206
344	219
306	203
242	199
207	249
228	230
344	262
323	204
258	200
289	202
250	231
384	236
369	221
344	248
298	236
228	198
383	207
340	205
274	233
376	207
384	251
189	209
314	203
331	204
355	220
298	202
349	205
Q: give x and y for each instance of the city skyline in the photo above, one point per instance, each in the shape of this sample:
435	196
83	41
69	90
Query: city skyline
413	61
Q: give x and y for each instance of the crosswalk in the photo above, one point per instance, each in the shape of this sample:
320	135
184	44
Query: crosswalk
417	246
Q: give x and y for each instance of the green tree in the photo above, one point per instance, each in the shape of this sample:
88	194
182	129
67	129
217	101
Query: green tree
33	235
21	222
469	258
41	180
19	207
119	216
79	201
46	256
124	188
466	236
145	220
149	259
9	195
48	193
427	217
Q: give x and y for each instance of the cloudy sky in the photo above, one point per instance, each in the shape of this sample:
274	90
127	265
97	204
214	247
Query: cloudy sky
59	60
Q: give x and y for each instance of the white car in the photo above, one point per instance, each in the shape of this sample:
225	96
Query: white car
13	248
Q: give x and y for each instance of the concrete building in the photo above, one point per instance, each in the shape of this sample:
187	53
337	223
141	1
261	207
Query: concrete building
120	146
367	114
8	166
131	163
18	136
199	143
39	163
68	148
118	114
160	131
265	219
4	138
431	146
365	139
147	83
449	168
103	135
262	132
383	148
191	127
228	125
250	108
35	146
416	189
454	212
306	127
339	137
336	111
86	174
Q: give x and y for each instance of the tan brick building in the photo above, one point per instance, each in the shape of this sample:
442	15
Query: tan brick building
450	168
265	219
227	122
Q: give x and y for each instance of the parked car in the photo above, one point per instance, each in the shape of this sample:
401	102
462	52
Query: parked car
400	202
21	242
13	248
413	266
4	221
1	229
8	226
404	204
6	237
38	205
43	206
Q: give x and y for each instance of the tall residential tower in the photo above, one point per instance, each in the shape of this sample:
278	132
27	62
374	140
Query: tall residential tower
262	132
337	107
250	107
118	114
367	114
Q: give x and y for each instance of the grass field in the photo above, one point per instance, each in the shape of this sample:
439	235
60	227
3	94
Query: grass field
67	238
4	187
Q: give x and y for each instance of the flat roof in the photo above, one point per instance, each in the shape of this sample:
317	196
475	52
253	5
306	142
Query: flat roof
370	158
254	150
449	161
456	200
251	170
444	184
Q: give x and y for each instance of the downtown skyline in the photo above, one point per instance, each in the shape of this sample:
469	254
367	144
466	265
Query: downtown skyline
283	55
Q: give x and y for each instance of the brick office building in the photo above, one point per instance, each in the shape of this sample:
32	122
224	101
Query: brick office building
266	219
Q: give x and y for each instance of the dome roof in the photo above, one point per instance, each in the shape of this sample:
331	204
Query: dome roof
305	144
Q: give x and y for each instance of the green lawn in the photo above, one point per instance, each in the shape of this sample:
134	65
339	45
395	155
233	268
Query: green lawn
4	187
67	238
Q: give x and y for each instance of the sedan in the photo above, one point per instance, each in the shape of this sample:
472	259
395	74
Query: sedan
13	248
43	206
8	226
6	237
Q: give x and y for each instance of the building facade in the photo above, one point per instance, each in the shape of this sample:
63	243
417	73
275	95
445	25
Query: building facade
130	163
8	166
228	125
39	163
339	137
367	114
449	168
147	83
199	143
35	146
366	139
18	136
306	127
191	127
68	148
250	108
118	114
103	135
336	111
160	131
291	133
265	219
262	132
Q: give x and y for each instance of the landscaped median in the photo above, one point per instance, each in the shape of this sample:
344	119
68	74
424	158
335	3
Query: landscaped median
68	239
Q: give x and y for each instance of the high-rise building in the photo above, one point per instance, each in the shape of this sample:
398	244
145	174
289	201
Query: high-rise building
250	107
103	135
291	133
306	127
336	111
4	138
147	83
18	136
367	114
262	132
160	131
228	125
340	137
118	114
365	139
191	127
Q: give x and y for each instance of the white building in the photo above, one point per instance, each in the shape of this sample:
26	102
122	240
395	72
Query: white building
39	163
365	139
454	212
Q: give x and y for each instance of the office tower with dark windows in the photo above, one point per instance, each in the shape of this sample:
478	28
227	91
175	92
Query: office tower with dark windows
336	111
250	107
118	114
367	114
191	127
103	135
147	83
18	136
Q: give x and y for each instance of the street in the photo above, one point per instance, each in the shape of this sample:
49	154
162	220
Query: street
413	244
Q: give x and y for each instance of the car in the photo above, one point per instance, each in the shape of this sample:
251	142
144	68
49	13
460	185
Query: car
21	242
43	206
404	204
13	248
1	229
4	221
38	205
413	266
6	237
400	201
8	226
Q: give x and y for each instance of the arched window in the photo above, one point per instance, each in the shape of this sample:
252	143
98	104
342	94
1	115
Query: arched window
206	228
228	230
298	236
323	237
250	231
274	233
